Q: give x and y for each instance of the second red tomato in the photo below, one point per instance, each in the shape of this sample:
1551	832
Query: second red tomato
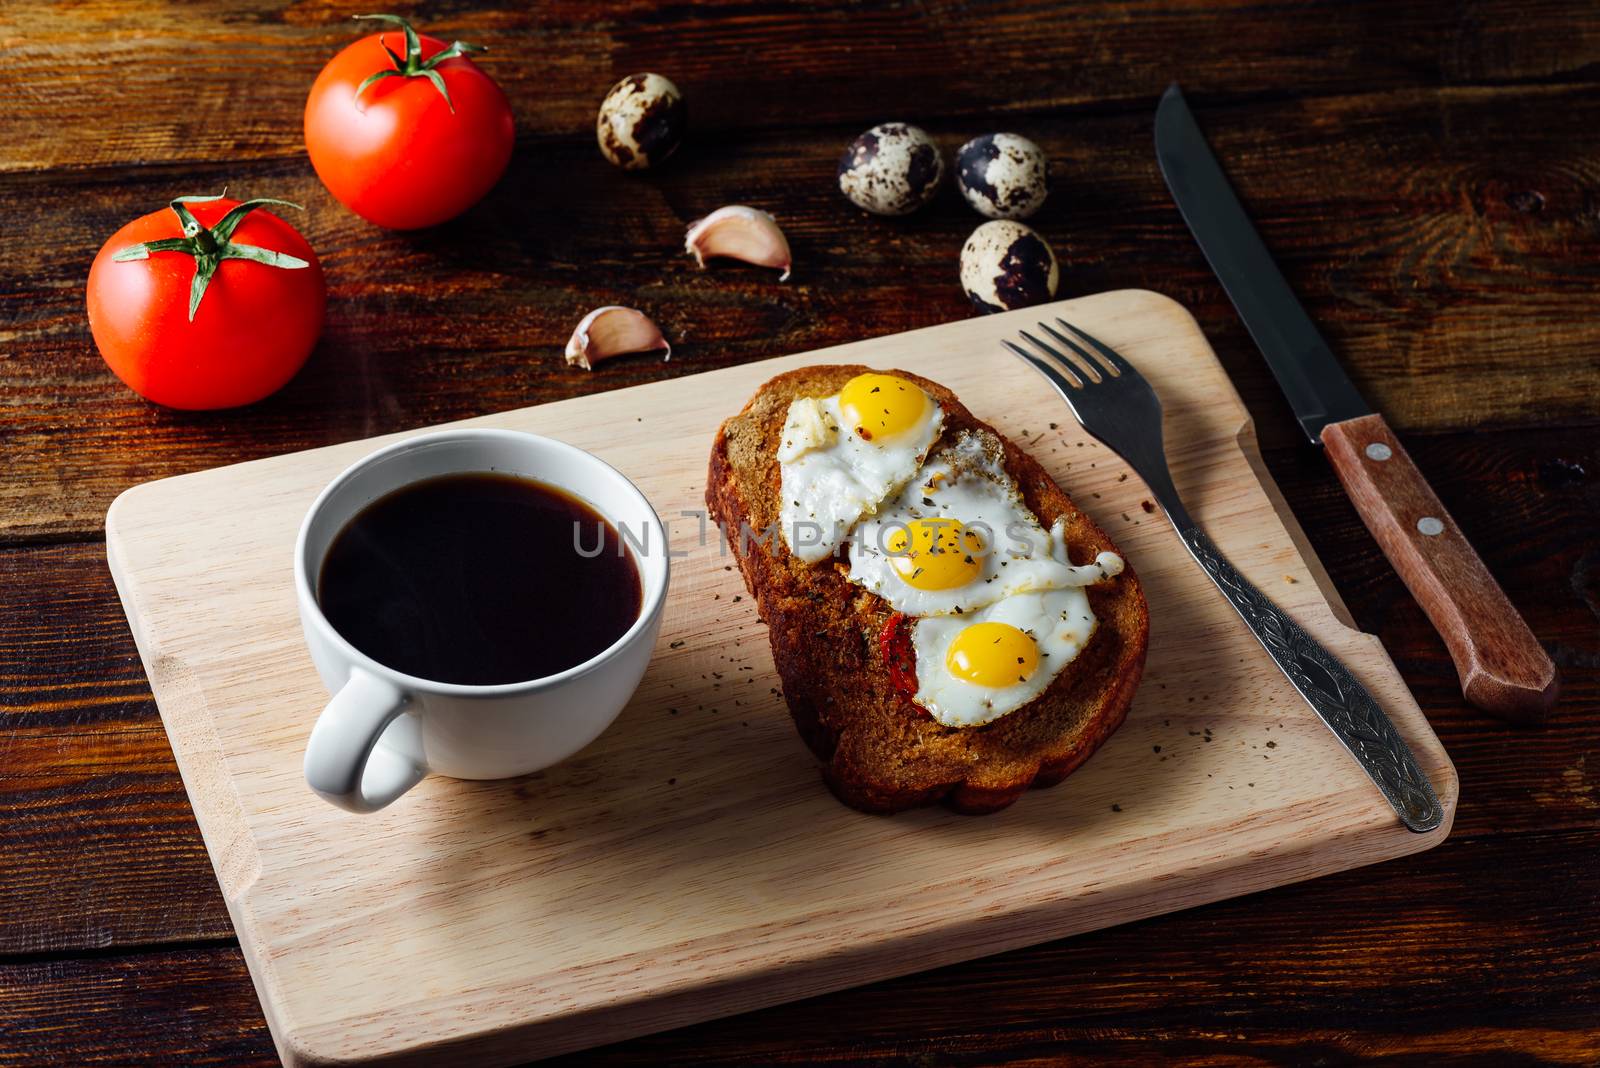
403	138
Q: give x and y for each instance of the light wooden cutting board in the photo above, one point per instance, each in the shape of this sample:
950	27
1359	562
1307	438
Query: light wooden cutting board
690	863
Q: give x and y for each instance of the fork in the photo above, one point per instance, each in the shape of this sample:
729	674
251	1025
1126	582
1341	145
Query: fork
1113	402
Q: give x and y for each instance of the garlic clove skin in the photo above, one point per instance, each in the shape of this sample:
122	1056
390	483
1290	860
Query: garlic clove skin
613	331
739	233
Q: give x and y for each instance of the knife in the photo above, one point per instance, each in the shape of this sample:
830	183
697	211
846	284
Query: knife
1503	668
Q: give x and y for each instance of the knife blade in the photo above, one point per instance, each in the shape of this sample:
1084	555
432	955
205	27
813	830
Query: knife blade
1503	668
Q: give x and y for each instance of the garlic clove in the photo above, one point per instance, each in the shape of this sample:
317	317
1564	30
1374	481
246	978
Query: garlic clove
739	233
613	331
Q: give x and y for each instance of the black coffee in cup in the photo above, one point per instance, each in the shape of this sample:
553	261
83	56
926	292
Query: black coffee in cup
480	579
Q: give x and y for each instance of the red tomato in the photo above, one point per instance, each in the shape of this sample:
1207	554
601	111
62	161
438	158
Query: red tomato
396	154
253	329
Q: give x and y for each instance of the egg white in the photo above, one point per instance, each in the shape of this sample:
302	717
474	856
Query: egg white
1059	621
967	484
831	478
1058	618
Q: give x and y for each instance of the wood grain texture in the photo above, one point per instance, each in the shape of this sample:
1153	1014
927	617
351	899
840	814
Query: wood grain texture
1437	215
1448	251
100	845
1475	968
592	900
207	81
1503	669
183	1004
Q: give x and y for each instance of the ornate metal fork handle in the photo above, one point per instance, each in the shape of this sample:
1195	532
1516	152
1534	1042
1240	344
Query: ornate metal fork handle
1340	701
1115	404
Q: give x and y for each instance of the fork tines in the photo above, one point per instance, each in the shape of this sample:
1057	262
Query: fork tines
1079	369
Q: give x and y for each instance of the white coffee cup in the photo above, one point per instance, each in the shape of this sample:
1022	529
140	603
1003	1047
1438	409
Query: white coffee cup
384	730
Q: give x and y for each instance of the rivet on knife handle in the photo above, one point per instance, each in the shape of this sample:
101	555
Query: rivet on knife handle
1503	668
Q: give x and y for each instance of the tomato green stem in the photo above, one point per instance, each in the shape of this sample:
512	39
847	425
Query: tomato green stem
210	247
414	66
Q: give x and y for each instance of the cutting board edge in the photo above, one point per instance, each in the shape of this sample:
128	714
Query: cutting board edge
831	354
202	765
1433	755
869	962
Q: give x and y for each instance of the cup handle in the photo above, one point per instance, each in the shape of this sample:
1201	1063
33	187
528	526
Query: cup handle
346	761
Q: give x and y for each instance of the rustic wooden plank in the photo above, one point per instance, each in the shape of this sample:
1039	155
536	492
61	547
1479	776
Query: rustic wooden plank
1489	956
188	1005
102	850
212	80
99	842
1444	241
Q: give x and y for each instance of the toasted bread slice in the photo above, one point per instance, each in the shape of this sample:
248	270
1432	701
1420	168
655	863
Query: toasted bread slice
880	752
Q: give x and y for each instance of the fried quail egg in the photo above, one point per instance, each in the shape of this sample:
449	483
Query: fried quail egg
958	537
892	169
974	668
840	457
642	121
1006	265
1003	175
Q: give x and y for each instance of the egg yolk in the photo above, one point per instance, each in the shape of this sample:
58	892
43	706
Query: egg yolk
879	407
993	655
935	554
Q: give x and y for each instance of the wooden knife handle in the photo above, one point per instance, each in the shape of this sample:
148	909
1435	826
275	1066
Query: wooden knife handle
1503	668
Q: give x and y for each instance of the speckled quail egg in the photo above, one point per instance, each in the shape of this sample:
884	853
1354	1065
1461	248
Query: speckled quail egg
892	169
1006	265
642	120
1003	175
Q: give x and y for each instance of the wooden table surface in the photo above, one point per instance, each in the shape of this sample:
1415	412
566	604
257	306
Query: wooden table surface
1427	172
